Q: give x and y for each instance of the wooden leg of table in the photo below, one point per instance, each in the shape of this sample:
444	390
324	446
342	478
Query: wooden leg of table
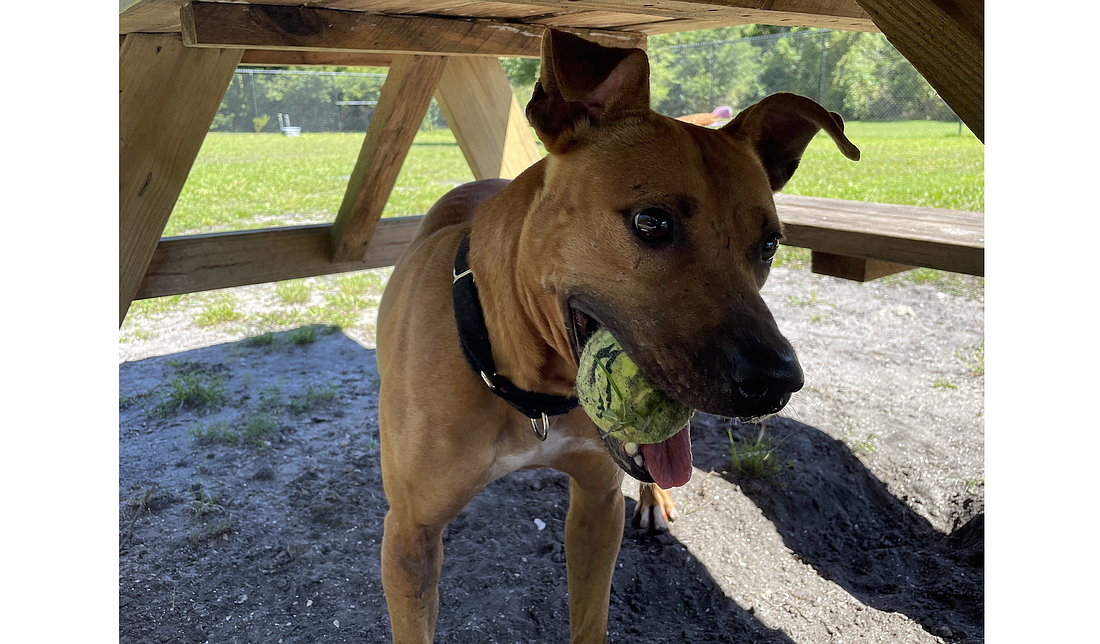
402	104
168	96
853	268
486	118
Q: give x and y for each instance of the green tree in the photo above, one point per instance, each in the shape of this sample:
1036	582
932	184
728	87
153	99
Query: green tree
697	71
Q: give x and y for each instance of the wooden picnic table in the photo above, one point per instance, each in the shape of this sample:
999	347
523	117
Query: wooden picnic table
176	59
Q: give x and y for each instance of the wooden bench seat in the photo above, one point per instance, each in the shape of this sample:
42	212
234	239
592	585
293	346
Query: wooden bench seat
850	239
863	241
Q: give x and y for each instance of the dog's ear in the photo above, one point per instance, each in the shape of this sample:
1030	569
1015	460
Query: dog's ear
582	83
781	126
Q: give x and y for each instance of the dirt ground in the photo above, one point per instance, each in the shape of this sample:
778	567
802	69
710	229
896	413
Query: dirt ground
873	530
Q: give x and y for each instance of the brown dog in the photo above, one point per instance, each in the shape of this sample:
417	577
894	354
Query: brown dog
659	230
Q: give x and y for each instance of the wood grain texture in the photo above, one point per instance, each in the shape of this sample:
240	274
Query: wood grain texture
945	42
168	95
486	118
629	15
402	104
280	58
206	262
207	24
950	240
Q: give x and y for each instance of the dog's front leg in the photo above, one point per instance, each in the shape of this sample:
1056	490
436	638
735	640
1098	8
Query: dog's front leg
412	557
593	532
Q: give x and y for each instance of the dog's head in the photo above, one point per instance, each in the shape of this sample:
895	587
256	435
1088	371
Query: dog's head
678	225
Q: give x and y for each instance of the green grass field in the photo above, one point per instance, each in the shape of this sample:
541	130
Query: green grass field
247	181
939	168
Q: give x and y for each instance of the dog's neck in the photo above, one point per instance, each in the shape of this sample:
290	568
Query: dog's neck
525	323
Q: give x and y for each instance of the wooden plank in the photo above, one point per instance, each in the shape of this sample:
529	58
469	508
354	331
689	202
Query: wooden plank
945	42
255	26
281	58
168	96
844	15
486	118
163	15
949	240
853	268
206	262
402	104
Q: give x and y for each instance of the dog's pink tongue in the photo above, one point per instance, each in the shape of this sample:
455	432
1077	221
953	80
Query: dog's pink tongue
669	462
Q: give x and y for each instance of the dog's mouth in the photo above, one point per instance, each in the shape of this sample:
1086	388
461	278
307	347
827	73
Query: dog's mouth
668	463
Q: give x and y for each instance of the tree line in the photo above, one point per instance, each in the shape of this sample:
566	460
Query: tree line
859	75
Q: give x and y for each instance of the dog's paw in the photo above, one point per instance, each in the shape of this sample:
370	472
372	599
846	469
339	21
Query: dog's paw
655	508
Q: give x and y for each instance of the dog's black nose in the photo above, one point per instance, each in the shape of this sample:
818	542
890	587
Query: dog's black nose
764	378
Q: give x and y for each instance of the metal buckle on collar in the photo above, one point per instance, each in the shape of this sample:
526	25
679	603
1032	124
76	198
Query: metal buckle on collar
545	427
458	276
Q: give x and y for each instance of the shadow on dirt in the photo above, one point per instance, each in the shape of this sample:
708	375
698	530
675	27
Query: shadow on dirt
299	560
836	516
497	560
296	556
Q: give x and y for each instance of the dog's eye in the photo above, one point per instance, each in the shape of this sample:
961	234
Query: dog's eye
653	224
769	247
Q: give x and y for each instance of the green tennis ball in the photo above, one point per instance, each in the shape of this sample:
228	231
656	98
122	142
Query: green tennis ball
620	399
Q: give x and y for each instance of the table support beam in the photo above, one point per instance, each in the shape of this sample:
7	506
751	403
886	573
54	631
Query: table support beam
486	118
168	96
402	104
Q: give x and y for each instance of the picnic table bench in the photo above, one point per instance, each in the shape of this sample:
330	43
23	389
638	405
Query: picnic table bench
850	239
177	57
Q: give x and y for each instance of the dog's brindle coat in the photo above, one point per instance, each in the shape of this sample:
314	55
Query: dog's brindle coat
659	230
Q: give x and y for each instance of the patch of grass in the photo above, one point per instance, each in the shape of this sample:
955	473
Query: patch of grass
258	426
216	433
158	305
756	458
866	445
271	398
261	340
971	485
973	358
198	390
799	301
792	257
944	383
313	397
255	428
293	291
209	520
363	283
956	284
223	309
135	335
303	335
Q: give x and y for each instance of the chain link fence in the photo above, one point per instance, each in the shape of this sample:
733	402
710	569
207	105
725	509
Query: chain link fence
858	75
269	100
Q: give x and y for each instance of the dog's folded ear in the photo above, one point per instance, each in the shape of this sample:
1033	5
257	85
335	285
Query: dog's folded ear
584	84
781	126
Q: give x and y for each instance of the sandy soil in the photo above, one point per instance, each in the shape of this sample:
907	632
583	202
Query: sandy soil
872	531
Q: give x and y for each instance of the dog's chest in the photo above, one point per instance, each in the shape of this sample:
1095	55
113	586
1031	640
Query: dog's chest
558	445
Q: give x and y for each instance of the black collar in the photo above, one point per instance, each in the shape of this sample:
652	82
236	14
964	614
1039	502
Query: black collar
474	337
